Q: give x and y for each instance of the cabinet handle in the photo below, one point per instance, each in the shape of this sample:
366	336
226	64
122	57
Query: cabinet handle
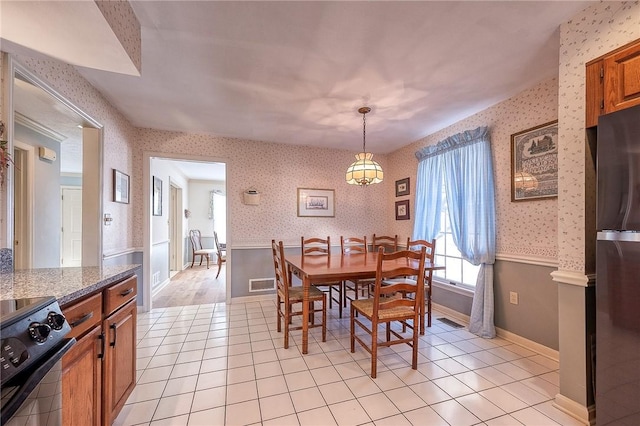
82	319
114	327
102	339
124	293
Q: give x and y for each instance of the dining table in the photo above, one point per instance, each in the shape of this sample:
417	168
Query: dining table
319	269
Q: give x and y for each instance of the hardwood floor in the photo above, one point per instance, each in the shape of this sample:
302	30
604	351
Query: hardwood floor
195	286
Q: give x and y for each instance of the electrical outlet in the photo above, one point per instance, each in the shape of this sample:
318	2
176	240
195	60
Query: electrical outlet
513	297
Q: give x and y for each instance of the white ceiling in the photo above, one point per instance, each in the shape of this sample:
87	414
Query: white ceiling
296	72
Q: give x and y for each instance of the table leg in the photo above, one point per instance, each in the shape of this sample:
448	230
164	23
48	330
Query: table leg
305	314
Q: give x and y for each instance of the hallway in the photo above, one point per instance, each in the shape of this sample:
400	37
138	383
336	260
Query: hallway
195	286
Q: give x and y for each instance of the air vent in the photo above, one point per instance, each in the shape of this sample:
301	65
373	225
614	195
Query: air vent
450	323
262	284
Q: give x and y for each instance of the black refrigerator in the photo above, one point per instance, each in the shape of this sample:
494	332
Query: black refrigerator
618	269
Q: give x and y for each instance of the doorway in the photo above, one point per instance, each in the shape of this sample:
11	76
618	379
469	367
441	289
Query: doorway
189	185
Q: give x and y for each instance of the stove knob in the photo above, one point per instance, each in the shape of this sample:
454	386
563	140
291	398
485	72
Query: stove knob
55	320
39	332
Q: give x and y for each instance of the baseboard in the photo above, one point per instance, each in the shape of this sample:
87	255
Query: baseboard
259	298
504	334
586	415
159	287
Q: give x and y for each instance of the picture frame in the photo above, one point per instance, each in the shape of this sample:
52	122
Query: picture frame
402	210
534	163
402	187
157	196
120	187
313	202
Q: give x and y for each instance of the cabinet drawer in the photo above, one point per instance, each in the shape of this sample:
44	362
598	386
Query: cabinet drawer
119	294
84	315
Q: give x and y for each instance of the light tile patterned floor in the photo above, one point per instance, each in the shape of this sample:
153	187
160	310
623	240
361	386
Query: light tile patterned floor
224	364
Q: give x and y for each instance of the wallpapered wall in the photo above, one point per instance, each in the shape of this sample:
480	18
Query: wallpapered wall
276	171
599	29
526	228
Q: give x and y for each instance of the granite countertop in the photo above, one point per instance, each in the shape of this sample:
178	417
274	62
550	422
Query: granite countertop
66	284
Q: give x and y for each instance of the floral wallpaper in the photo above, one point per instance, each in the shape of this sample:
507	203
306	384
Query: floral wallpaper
522	228
598	30
124	23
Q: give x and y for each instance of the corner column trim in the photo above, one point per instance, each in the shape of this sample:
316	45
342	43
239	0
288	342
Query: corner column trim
574	278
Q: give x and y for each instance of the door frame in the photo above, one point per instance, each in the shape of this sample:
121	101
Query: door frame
62	233
176	246
25	221
147	156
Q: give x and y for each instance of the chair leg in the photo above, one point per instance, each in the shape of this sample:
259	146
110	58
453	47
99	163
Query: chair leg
219	266
193	260
279	312
324	317
200	260
352	318
207	261
287	320
374	349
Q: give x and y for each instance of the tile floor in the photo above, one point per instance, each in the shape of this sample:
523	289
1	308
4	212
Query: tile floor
224	364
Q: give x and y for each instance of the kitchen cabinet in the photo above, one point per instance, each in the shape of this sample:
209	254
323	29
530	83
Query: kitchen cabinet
100	370
612	82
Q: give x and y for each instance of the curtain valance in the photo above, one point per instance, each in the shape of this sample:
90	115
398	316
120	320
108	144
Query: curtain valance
452	142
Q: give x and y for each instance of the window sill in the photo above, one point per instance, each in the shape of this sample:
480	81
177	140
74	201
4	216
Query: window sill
453	288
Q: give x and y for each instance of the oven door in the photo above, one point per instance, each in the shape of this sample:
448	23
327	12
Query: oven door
34	397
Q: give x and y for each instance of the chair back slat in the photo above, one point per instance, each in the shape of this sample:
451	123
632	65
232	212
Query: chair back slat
215	238
315	246
353	245
282	279
196	239
387	268
430	248
390	244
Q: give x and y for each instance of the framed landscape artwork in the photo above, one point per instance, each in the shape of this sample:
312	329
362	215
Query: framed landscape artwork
534	163
316	202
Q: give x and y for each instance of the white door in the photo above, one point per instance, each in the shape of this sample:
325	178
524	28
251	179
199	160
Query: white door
71	227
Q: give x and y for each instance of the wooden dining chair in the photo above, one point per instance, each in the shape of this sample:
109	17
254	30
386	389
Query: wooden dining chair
288	296
196	247
390	244
390	303
322	247
349	246
220	251
430	248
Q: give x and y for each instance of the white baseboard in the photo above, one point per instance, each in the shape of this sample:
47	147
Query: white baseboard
159	288
506	335
586	415
259	298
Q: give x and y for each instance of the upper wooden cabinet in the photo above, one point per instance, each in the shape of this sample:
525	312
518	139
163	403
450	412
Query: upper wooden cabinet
613	82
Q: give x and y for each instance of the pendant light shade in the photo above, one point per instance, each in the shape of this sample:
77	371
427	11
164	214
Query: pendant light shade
364	171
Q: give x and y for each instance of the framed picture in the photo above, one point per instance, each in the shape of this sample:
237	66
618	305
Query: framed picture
534	163
402	187
316	202
157	196
120	187
402	210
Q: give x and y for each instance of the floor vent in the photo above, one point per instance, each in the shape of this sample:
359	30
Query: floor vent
450	323
262	284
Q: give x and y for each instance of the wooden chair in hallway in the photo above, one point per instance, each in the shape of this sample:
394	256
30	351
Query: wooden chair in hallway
390	303
288	296
221	252
196	246
322	247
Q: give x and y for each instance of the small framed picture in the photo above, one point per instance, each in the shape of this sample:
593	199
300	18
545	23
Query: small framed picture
534	163
157	196
316	202
120	187
402	187
402	210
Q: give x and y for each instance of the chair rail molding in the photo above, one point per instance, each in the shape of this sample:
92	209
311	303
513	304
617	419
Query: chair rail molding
579	279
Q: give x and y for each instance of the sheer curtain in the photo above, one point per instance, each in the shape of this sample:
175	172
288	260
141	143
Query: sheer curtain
464	162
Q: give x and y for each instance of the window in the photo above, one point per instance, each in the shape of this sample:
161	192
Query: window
458	271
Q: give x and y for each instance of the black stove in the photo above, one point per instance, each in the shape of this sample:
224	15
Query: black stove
32	342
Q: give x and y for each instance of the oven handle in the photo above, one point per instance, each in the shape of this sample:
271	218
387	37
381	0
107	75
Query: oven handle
30	382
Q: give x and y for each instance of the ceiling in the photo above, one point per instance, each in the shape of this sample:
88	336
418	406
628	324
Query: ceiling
296	72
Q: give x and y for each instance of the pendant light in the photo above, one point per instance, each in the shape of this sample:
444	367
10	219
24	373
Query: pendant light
364	171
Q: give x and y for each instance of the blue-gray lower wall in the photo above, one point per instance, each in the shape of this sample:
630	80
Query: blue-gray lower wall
250	264
133	258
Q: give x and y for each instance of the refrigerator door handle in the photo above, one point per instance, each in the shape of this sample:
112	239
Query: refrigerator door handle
619	236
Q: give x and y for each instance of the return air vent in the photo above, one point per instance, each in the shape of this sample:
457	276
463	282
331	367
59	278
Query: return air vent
262	284
450	323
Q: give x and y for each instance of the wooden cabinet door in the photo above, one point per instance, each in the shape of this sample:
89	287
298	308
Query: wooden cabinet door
622	79
595	93
120	360
82	381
